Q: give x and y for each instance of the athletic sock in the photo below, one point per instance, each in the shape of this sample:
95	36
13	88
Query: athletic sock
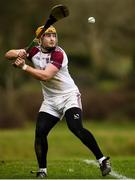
43	170
101	159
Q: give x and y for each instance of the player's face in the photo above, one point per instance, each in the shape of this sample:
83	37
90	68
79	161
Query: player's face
49	40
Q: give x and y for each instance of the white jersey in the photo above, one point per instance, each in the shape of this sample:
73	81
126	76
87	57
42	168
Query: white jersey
61	83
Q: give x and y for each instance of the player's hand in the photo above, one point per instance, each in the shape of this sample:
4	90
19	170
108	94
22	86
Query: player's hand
22	53
19	62
15	53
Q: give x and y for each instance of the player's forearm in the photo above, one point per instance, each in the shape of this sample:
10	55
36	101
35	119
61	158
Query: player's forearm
41	75
14	53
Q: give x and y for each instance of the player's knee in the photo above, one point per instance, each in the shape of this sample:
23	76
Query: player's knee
41	133
76	131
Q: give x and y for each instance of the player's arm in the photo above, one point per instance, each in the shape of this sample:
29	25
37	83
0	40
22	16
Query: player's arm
15	53
39	74
43	75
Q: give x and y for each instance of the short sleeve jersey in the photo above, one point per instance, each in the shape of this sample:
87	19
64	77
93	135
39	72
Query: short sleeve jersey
62	82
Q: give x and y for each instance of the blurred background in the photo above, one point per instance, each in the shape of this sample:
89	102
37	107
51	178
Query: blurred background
101	58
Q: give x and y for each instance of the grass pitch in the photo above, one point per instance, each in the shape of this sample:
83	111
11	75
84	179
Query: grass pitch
67	169
66	153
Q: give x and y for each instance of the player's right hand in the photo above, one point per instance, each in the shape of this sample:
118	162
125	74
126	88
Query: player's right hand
19	62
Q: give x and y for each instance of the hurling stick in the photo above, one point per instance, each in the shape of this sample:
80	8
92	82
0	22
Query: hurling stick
57	12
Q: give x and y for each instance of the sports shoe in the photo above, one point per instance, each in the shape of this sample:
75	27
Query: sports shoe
105	167
41	174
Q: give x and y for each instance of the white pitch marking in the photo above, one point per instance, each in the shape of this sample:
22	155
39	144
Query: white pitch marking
112	173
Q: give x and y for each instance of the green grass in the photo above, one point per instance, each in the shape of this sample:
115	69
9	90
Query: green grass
66	153
65	169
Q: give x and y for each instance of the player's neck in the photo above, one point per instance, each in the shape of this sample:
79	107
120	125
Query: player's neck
47	49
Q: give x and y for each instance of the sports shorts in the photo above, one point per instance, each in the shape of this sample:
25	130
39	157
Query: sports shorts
57	106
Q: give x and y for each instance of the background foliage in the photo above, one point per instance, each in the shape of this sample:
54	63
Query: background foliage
101	57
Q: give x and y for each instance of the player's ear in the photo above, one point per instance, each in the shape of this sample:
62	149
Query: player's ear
40	40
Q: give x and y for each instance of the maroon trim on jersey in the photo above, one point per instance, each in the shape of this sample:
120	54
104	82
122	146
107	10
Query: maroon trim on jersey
57	58
32	52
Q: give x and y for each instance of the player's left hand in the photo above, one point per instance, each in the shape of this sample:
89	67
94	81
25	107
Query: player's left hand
22	53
